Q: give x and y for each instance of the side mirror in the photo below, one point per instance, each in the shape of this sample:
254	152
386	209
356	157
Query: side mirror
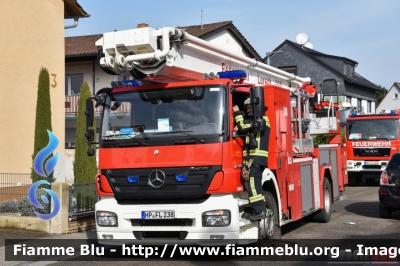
90	151
89	135
260	125
257	101
234	134
89	113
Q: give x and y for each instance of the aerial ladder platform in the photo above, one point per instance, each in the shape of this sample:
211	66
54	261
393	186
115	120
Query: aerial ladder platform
170	54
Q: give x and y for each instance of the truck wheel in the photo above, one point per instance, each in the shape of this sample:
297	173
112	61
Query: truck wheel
385	212
324	215
269	227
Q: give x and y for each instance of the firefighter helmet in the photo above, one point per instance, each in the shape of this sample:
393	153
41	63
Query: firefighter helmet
247	101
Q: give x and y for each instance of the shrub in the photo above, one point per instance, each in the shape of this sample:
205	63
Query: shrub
43	118
83	197
25	208
9	206
321	139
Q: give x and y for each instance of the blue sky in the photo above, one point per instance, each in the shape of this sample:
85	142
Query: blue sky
365	31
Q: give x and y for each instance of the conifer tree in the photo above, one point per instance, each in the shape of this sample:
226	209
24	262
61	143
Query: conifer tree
85	167
43	119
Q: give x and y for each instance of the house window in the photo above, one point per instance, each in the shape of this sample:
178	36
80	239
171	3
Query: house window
368	106
396	96
291	69
348	69
359	106
70	145
73	84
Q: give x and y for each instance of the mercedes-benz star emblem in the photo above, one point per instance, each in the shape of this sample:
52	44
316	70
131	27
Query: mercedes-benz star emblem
156	178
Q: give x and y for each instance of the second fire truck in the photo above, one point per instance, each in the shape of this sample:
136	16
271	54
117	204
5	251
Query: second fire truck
371	140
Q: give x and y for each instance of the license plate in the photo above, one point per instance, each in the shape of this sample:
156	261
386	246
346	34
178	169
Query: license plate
158	215
372	163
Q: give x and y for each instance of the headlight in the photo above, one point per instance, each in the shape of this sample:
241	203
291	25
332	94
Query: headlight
106	219
217	218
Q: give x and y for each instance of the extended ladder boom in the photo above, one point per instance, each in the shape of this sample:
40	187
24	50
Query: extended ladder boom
171	54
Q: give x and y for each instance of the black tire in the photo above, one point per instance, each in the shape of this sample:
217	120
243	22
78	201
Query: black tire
266	229
324	215
385	212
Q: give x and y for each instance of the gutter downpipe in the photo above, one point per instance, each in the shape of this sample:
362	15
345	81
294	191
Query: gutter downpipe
74	25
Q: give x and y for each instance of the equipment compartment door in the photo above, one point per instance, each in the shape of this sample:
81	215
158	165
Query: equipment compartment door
334	168
306	188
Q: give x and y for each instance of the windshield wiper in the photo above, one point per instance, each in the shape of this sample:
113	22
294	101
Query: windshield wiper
184	132
379	138
171	132
189	141
133	142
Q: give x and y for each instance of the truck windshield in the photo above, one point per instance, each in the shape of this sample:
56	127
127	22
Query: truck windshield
165	116
372	129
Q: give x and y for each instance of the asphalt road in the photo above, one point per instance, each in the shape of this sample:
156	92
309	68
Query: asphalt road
357	217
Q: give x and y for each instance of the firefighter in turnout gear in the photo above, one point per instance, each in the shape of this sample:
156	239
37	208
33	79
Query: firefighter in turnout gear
255	160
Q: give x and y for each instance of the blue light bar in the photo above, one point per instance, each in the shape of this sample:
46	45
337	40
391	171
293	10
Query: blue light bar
353	113
235	74
129	83
392	112
132	179
124	83
180	178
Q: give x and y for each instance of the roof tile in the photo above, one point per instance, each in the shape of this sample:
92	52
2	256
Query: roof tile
73	9
81	45
317	56
201	30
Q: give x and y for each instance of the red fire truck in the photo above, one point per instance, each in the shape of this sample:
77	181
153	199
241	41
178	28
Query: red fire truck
169	159
371	140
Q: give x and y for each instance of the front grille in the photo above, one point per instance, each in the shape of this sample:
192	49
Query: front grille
163	222
197	182
167	235
371	151
148	188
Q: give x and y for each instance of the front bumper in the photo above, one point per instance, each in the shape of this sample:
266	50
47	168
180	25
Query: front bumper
389	197
192	233
366	166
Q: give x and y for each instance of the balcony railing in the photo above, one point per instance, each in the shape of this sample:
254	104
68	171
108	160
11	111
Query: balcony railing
71	106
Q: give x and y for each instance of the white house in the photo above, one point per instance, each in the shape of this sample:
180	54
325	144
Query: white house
391	100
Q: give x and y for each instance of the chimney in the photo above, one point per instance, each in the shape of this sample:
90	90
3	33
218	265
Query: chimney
142	25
